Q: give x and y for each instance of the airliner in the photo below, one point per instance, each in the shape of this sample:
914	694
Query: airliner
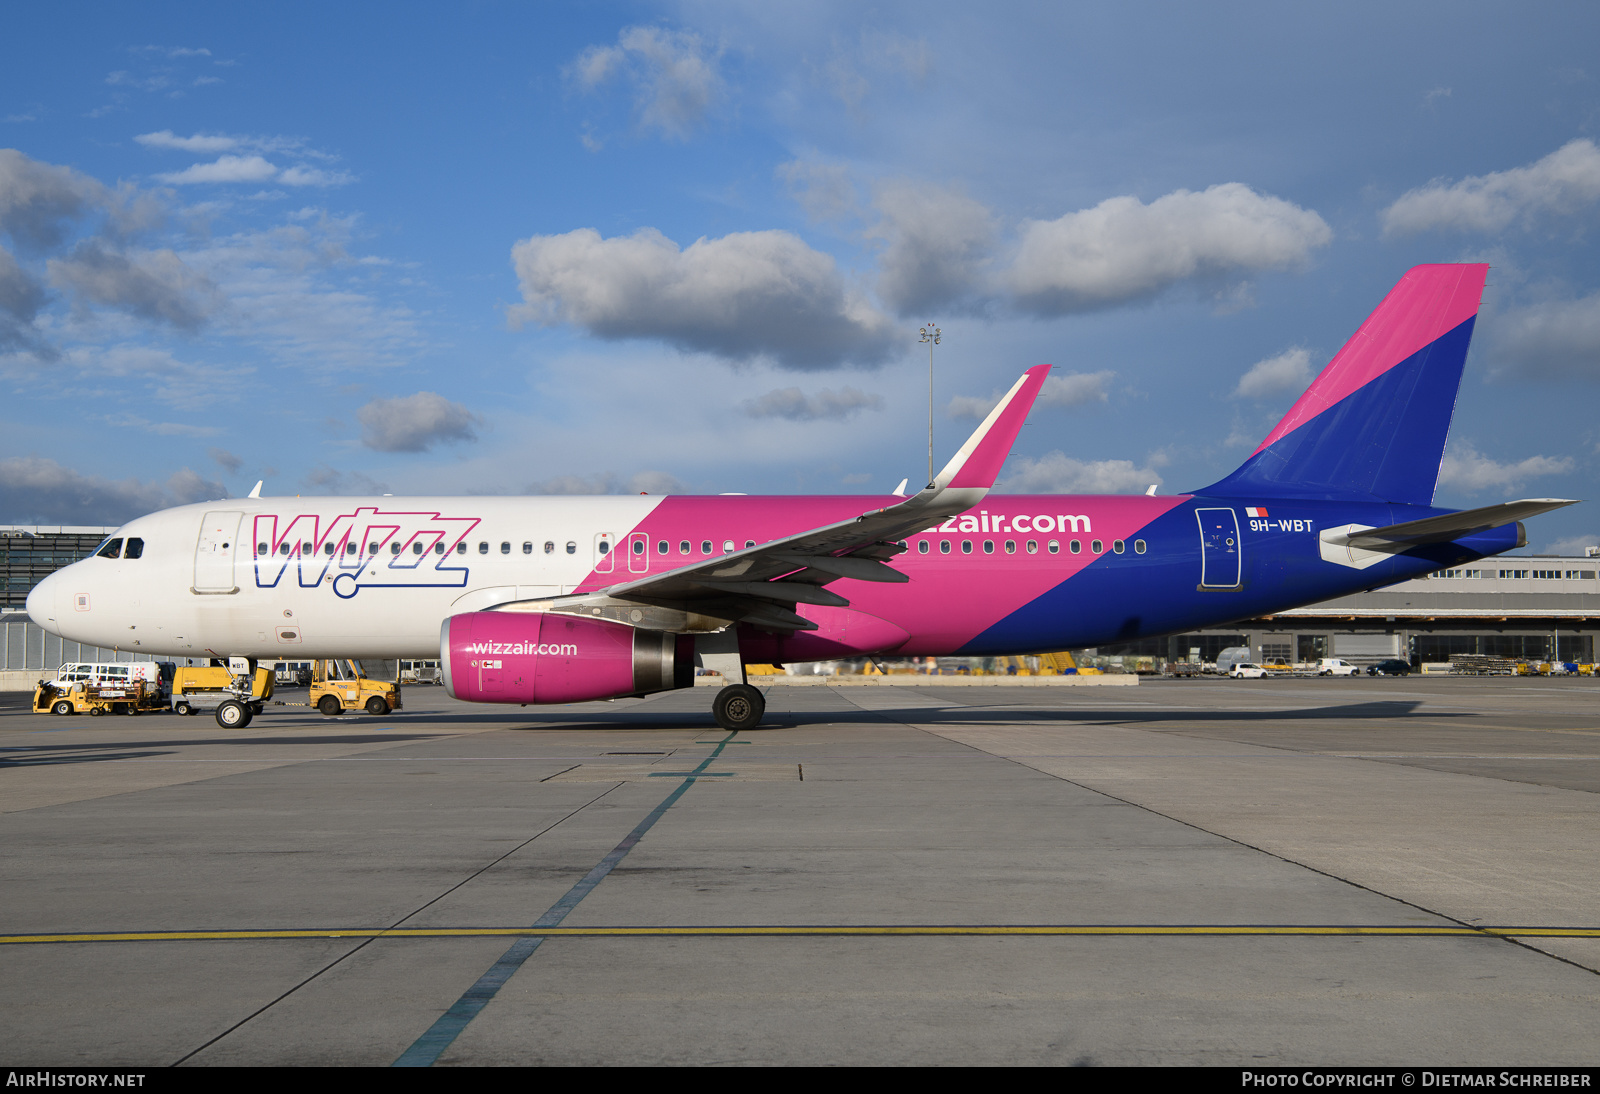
561	600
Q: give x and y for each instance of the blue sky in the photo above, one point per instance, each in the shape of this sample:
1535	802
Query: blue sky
508	248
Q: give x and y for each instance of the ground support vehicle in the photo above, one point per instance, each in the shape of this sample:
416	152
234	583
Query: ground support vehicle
1333	666
339	686
1245	670
88	697
235	696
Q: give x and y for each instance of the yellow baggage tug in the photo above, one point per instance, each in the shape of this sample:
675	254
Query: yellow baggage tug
338	686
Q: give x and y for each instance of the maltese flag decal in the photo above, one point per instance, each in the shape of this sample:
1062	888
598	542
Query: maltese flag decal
1255	511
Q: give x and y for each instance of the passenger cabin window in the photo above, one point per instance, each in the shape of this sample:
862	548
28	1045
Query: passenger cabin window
966	546
549	547
283	548
394	548
461	548
1097	547
261	549
572	547
135	548
1138	546
416	547
604	546
483	547
922	547
1076	546
1118	546
683	548
350	548
1011	546
112	549
749	543
728	547
308	549
705	546
372	548
328	548
1053	547
438	548
505	548
527	547
638	546
663	548
944	546
988	546
1033	546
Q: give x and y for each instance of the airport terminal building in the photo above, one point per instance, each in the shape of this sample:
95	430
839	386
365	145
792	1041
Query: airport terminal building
1513	606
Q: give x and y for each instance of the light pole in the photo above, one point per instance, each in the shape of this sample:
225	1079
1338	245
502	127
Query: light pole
930	335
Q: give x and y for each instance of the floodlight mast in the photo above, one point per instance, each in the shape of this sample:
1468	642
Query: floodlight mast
930	335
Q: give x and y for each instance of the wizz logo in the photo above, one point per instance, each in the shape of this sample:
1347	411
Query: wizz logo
365	549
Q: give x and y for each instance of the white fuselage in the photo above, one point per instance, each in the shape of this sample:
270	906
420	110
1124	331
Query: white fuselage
328	577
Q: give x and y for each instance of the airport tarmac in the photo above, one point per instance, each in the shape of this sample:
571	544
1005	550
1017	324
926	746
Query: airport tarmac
1281	872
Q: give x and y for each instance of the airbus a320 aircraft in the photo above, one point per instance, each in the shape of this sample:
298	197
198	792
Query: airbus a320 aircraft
561	600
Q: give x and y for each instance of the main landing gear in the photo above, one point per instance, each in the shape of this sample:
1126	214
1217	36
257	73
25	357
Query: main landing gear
738	706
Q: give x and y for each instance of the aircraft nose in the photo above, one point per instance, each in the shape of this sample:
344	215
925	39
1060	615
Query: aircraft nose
41	603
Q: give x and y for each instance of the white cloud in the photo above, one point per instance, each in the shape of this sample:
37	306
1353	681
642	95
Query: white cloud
1058	473
314	176
327	480
1556	338
153	285
39	202
1573	545
673	73
1123	250
36	490
744	296
1564	182
824	190
1465	468
109	371
937	244
224	169
796	406
21	297
1288	371
201	143
609	482
415	423
1068	389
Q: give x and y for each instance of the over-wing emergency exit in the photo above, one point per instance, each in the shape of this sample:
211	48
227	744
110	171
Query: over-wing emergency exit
559	600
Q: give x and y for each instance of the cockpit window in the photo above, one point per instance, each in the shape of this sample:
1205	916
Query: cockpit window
112	549
135	548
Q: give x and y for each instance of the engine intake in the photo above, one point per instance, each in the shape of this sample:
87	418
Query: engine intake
539	657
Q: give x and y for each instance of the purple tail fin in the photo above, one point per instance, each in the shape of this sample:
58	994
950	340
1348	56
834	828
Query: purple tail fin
1373	425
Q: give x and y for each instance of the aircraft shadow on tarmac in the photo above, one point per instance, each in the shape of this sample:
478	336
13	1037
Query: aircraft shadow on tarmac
555	719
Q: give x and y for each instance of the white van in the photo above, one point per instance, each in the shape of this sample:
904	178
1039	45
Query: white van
1333	666
153	674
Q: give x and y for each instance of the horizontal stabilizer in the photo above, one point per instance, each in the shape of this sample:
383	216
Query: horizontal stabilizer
1415	533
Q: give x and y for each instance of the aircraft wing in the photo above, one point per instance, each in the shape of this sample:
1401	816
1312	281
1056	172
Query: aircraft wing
762	584
1441	529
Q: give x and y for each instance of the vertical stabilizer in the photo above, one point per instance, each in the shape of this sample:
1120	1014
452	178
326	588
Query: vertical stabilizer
1373	425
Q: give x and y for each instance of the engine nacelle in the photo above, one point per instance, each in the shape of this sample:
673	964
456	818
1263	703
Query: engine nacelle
538	657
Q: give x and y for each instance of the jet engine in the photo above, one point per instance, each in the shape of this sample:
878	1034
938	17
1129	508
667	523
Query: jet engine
538	657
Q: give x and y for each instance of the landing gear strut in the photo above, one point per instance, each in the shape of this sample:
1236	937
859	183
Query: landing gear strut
738	706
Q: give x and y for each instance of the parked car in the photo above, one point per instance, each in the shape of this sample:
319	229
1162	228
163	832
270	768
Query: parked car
1246	670
1389	668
